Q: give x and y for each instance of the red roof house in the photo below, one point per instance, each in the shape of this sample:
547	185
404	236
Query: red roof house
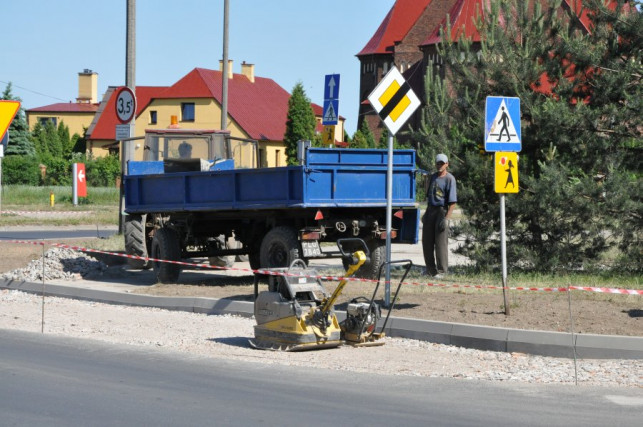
257	109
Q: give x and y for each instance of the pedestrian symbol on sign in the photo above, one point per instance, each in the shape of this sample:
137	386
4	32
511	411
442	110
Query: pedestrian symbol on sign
330	116
503	124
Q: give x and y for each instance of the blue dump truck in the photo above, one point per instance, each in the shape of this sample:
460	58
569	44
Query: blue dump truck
201	194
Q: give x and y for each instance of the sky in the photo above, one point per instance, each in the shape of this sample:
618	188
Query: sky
45	44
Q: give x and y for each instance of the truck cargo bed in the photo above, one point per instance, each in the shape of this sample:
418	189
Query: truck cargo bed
330	178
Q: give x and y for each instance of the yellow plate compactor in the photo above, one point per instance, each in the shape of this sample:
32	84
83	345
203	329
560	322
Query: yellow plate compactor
296	313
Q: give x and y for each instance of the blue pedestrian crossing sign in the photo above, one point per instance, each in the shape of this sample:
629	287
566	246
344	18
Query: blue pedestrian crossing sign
330	112
502	124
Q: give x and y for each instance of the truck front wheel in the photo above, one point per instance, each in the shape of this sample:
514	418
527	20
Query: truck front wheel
279	248
165	246
136	240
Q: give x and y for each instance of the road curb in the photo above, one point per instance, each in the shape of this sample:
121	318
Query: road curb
544	343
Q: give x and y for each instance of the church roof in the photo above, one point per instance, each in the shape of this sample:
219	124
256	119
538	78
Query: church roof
395	26
462	19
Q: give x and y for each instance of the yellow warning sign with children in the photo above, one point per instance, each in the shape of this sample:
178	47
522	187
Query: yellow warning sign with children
506	172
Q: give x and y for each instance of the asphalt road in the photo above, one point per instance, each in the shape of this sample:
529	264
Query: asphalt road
59	381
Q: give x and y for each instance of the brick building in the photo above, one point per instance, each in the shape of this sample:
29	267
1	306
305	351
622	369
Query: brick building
408	36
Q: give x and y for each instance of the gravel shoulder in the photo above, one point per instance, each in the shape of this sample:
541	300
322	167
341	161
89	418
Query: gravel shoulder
227	336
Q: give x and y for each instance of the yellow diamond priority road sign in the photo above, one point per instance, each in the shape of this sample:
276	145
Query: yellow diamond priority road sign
8	110
394	100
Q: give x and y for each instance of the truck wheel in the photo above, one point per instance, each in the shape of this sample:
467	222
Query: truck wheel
165	245
279	248
371	268
136	240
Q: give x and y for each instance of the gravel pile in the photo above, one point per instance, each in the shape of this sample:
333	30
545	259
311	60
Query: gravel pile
60	264
226	337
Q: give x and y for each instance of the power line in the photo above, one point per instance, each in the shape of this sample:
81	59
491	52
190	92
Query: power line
33	91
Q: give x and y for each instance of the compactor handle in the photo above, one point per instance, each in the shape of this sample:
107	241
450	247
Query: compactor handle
354	243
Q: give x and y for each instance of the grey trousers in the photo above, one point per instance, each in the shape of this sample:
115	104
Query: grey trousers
435	244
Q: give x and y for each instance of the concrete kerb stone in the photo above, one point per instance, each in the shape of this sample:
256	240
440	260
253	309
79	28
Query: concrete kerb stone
554	344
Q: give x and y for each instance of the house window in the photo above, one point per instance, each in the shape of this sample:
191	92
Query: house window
152	117
277	158
187	111
44	120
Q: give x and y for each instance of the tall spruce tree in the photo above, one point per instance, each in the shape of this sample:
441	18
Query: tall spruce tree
363	137
300	124
580	161
20	142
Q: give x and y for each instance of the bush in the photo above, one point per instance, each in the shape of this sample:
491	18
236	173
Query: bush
20	170
102	172
58	172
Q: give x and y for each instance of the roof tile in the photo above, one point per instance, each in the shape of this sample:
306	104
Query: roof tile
399	21
259	108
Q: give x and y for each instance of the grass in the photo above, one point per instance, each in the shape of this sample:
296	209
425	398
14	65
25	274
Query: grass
101	205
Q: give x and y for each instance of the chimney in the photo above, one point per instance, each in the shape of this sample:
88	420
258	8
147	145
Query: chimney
248	70
87	87
229	67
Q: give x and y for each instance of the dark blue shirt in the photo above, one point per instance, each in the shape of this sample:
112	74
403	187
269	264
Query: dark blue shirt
442	190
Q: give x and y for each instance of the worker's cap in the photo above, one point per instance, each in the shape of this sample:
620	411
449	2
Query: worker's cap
441	158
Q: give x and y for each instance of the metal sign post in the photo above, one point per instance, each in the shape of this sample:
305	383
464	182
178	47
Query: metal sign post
125	109
503	136
395	102
503	254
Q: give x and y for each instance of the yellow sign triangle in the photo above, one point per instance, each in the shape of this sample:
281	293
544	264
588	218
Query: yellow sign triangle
8	110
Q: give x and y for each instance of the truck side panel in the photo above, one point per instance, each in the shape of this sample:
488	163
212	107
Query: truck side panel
331	178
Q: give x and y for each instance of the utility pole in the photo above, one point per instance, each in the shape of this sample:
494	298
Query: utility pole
224	73
127	148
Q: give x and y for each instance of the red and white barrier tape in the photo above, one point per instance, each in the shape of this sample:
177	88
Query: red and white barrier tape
338	278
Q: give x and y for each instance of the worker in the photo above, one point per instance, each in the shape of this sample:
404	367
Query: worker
185	150
441	198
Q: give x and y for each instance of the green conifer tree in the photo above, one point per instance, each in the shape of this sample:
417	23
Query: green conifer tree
300	124
579	165
20	142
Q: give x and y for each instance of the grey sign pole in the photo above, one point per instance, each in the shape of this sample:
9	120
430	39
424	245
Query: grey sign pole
389	219
127	150
224	69
503	253
74	183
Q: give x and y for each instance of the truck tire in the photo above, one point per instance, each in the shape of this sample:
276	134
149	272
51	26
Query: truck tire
279	248
165	246
371	268
136	240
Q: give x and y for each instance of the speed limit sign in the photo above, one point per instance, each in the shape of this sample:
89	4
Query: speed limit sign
125	105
